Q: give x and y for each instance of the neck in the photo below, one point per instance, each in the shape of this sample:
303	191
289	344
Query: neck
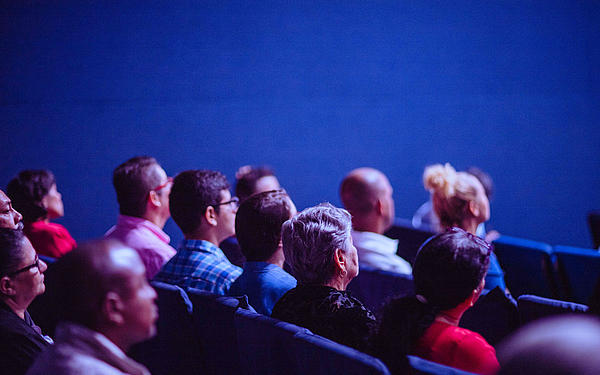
155	218
199	234
337	283
369	223
453	316
277	258
16	307
470	226
116	338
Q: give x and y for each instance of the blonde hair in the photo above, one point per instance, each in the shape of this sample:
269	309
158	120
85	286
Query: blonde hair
451	192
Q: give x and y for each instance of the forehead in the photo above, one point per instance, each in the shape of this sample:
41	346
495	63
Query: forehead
3	198
225	195
27	251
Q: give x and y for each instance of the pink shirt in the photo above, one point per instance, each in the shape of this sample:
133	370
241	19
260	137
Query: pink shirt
151	243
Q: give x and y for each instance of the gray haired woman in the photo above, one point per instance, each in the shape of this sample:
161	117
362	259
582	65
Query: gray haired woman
318	246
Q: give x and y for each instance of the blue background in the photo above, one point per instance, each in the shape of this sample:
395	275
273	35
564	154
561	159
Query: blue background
313	89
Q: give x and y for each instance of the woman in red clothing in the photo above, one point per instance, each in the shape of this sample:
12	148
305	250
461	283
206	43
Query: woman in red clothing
449	274
34	194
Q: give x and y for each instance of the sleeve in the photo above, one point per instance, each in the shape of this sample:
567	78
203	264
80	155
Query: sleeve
18	354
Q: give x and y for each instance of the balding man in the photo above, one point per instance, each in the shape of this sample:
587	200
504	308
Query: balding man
107	306
367	195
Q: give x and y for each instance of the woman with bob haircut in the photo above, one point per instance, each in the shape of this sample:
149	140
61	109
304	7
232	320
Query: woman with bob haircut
34	194
449	275
459	200
318	246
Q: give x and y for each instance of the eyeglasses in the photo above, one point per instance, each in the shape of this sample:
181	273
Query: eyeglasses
235	201
163	185
27	268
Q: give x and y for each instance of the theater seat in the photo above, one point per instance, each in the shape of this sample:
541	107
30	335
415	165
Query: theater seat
409	238
375	287
527	265
316	355
579	269
175	349
533	307
421	366
594	223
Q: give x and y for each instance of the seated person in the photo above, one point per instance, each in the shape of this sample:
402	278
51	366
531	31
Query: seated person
202	206
449	275
107	306
34	194
318	246
367	195
143	189
9	217
258	229
249	180
21	280
459	200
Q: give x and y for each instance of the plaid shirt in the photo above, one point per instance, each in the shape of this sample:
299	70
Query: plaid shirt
199	264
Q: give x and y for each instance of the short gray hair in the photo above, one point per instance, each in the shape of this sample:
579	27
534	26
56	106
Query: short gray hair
311	238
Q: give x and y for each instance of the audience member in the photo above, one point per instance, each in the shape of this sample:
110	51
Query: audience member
107	306
459	200
367	195
449	276
34	194
21	280
258	229
560	345
9	217
143	188
249	180
202	206
318	246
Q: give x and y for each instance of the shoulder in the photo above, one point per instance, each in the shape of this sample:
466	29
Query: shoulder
471	348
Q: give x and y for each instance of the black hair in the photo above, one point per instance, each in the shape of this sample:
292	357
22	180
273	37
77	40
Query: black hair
27	190
258	223
448	267
133	180
246	181
11	250
191	194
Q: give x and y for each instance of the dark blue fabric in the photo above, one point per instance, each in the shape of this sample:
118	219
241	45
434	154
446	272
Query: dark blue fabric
374	287
421	366
175	349
495	275
527	265
317	355
213	317
579	269
533	307
264	284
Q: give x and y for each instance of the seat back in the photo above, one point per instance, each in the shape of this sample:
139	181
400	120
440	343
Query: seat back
578	269
315	355
375	287
533	307
265	344
409	238
527	265
175	349
422	366
594	223
214	326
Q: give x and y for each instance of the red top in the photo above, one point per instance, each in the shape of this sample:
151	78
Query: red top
457	347
49	239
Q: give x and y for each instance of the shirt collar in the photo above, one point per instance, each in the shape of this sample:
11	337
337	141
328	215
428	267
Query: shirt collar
358	236
138	222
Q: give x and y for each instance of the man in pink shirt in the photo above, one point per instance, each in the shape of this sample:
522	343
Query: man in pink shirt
143	189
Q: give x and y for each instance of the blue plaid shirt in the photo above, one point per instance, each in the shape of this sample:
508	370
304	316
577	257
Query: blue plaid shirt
199	264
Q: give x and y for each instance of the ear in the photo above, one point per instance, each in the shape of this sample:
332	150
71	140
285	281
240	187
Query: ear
477	292
6	287
340	260
474	208
154	199
45	201
210	215
379	207
112	308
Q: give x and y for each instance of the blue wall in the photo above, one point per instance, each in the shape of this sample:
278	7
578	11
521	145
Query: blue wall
314	90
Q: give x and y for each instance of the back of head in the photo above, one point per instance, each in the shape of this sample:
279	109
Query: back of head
247	178
191	194
11	250
451	193
133	180
258	223
360	189
310	240
84	277
448	268
485	179
27	190
554	346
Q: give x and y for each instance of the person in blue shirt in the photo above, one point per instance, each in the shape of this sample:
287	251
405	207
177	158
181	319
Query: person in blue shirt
258	229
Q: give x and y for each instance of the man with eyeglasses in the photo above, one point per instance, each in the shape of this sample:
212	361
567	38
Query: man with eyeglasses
202	206
143	188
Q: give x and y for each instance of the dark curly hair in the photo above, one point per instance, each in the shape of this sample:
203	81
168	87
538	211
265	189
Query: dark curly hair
27	190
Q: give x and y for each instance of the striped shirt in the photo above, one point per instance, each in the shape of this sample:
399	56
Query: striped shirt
199	264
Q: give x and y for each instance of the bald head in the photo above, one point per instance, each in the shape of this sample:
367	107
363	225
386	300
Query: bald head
367	195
